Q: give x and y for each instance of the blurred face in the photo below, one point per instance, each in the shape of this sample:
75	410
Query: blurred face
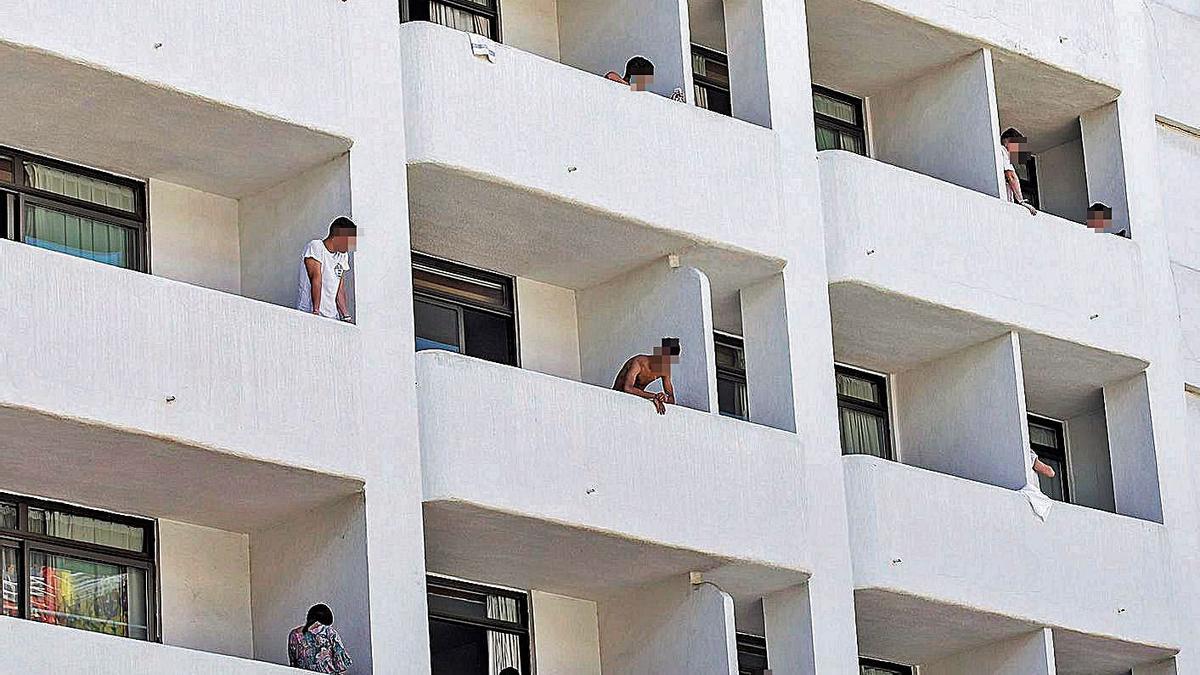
663	360
343	241
641	82
1099	220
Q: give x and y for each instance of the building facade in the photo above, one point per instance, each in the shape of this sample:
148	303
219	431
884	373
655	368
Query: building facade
874	336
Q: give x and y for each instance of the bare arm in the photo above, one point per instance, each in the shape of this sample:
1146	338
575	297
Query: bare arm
343	306
1014	184
668	389
314	280
629	386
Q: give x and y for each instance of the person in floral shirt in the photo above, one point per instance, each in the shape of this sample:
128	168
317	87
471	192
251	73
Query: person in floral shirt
316	646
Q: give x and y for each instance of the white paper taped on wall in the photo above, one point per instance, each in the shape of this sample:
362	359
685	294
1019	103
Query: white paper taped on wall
481	46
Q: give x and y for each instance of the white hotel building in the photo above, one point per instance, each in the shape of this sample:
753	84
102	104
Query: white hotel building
873	338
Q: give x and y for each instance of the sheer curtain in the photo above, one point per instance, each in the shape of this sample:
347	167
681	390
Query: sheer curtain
862	433
453	17
504	649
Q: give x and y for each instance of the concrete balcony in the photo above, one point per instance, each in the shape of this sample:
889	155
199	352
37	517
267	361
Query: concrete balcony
969	264
540	468
159	358
974	560
558	149
31	647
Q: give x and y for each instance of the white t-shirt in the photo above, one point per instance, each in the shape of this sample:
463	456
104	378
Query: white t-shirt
333	267
1004	161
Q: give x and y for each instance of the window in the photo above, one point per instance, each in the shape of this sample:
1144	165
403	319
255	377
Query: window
476	630
73	210
731	376
710	78
473	16
840	124
1027	175
464	310
74	567
863	413
873	667
1048	441
751	654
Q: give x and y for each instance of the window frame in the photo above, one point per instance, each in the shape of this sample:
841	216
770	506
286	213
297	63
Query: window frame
493	13
25	542
1062	454
524	632
709	83
751	644
838	125
136	220
733	374
885	408
508	284
896	668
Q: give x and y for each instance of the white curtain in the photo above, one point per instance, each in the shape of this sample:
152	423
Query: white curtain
504	649
452	17
85	188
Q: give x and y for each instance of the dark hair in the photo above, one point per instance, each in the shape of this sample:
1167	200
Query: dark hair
510	671
319	613
342	225
670	346
638	65
1010	133
1103	208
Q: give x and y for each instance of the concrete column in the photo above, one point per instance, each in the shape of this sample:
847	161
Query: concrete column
746	47
1132	448
1104	161
383	284
787	615
964	414
768	354
602	36
943	124
669	628
1029	654
631	315
567	632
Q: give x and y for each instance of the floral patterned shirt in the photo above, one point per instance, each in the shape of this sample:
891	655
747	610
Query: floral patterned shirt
318	649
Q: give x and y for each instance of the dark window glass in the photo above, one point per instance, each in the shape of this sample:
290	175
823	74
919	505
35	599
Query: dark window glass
464	310
710	78
731	376
472	16
873	667
752	654
1048	441
840	124
476	630
78	568
863	413
1027	175
73	210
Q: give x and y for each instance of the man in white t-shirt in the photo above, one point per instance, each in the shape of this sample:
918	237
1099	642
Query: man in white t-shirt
1009	148
323	270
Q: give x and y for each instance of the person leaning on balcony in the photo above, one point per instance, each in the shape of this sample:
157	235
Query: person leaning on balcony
639	74
1008	151
316	646
642	370
325	264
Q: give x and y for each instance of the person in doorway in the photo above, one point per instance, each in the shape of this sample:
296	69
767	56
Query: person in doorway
1007	153
316	646
324	266
642	370
1099	217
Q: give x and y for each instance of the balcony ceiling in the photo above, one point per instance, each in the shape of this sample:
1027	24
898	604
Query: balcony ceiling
107	468
871	49
515	231
86	114
934	630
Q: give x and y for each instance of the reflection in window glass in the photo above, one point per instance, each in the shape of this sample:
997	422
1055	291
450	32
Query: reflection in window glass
86	529
93	596
10	582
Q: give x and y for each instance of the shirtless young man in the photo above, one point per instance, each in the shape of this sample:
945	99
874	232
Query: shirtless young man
643	369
